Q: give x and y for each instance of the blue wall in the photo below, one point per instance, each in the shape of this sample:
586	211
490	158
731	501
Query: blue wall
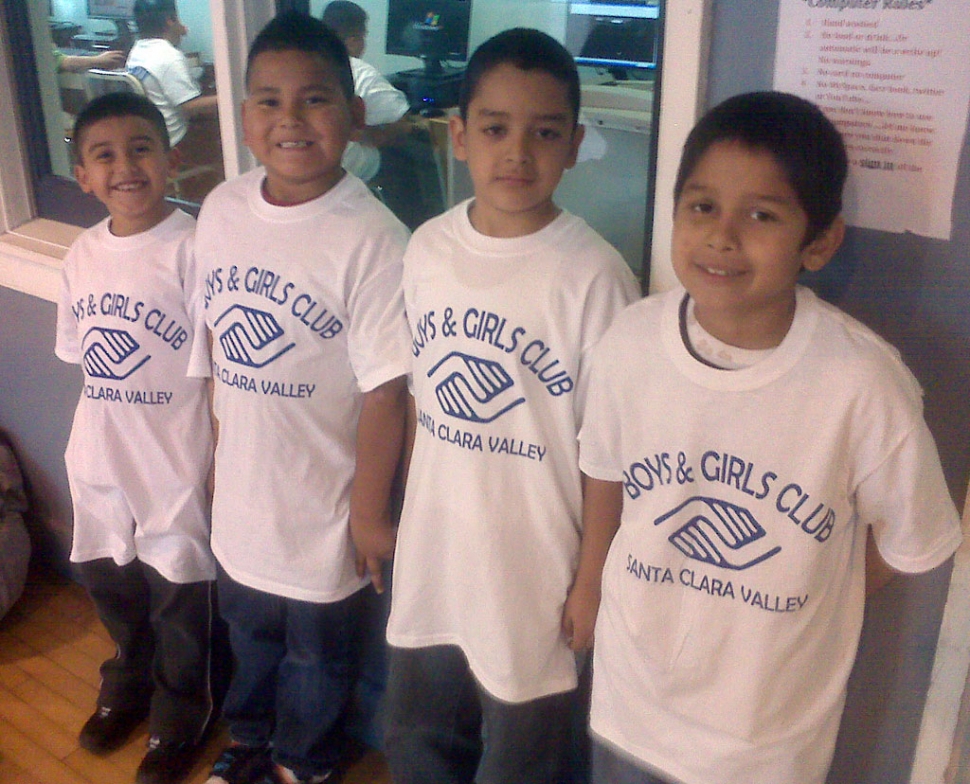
38	394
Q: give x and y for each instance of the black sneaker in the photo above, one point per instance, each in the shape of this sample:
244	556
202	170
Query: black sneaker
109	728
166	763
240	764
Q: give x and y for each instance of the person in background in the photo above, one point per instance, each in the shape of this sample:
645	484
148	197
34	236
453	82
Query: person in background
77	63
385	106
163	69
768	463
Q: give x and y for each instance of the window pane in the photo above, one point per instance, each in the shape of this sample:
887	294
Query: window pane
83	48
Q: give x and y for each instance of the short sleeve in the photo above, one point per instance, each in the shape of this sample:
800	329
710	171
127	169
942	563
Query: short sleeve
906	501
193	288
599	436
383	103
379	338
67	343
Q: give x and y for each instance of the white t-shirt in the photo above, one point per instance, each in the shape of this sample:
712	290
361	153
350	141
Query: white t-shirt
141	443
489	536
383	104
305	309
734	589
164	72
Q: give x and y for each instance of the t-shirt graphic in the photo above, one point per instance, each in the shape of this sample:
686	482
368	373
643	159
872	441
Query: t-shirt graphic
472	388
717	532
250	337
111	354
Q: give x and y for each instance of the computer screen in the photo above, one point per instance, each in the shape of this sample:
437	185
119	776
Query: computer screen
614	35
111	9
433	30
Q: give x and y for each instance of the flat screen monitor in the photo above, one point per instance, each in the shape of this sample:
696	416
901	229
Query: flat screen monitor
111	9
614	35
433	30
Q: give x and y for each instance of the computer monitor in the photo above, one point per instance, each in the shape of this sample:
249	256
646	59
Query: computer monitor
614	35
114	10
434	30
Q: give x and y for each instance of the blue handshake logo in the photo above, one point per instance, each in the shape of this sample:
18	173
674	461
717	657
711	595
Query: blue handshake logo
250	337
474	389
111	354
717	532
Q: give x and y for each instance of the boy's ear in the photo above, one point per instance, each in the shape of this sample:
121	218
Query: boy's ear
579	133
456	127
820	251
174	160
81	175
358	113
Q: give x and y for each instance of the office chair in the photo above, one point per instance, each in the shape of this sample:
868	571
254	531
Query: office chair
98	82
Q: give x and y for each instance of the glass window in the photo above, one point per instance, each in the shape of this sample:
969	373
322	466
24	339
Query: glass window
421	48
638	131
82	48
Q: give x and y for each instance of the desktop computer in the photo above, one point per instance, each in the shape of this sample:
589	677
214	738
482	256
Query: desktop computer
429	90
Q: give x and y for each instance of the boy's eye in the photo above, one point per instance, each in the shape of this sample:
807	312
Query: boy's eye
762	216
702	207
268	103
549	134
493	130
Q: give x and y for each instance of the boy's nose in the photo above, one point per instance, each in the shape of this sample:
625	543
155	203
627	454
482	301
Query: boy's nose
517	147
722	235
293	113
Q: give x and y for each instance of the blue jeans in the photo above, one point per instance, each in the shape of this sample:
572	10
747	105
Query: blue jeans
296	664
443	728
612	768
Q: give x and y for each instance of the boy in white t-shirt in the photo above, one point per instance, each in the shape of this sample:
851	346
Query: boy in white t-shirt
163	68
772	463
141	443
506	294
303	301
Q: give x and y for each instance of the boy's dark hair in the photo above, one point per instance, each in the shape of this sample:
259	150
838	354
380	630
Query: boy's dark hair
152	16
117	105
345	18
295	31
528	50
803	141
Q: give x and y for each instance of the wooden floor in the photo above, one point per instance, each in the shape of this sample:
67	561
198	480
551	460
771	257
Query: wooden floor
51	645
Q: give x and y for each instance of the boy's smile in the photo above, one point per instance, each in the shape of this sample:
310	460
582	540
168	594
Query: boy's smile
517	140
297	122
738	245
124	163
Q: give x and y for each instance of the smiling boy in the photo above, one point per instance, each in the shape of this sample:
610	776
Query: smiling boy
506	294
302	271
771	462
140	445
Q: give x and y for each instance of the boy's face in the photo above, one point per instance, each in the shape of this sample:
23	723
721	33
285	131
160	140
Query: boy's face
518	140
737	247
297	122
124	163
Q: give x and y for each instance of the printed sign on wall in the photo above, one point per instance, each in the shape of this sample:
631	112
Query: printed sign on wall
894	76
